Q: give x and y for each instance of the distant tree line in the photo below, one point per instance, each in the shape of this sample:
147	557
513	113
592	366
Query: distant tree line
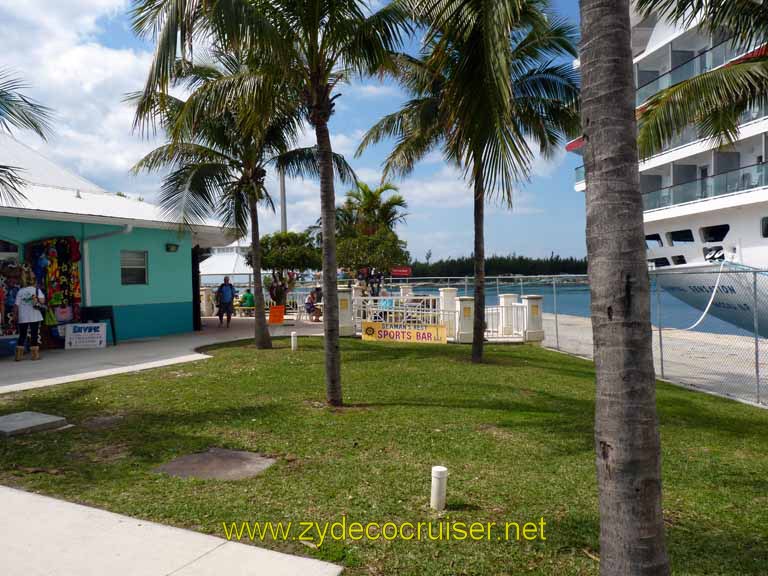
501	265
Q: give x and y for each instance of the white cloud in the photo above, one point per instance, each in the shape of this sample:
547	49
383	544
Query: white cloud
375	91
53	46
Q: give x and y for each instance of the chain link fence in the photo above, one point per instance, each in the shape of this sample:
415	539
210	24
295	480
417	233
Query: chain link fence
709	324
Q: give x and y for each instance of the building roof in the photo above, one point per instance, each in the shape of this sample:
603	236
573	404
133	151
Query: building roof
224	264
226	260
54	193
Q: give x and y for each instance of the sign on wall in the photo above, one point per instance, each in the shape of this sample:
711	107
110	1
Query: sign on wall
380	332
80	336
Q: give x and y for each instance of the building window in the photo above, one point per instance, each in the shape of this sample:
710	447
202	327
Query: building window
681	237
133	267
716	233
658	262
653	241
677	260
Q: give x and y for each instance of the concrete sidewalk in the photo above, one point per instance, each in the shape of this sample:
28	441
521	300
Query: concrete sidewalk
61	366
41	536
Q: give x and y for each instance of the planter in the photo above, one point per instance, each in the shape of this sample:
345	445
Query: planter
276	314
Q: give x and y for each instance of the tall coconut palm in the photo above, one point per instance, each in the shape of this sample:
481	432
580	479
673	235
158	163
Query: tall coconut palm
628	451
714	100
367	210
219	161
24	113
312	46
486	89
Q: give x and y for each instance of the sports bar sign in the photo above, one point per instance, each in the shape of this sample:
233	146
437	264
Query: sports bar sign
380	332
401	272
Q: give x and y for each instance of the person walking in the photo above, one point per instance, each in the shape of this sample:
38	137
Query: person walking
28	311
225	300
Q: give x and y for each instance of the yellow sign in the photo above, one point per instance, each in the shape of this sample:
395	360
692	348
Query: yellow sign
380	332
535	310
344	304
467	311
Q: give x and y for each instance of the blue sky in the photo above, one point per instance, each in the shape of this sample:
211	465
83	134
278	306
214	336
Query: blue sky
81	57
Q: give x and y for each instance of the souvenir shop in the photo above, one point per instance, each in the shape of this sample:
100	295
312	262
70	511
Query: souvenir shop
54	264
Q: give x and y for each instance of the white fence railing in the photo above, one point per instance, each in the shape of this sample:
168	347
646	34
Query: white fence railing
510	321
502	322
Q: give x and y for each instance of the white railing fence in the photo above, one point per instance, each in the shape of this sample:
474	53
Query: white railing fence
510	321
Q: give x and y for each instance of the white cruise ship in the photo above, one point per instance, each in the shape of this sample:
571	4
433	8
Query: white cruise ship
706	207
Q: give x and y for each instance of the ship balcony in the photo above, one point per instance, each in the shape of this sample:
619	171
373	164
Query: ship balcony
701	62
688	136
731	182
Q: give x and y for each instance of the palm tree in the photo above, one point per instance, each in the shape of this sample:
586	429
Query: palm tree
484	90
626	425
311	46
21	112
219	162
366	211
714	100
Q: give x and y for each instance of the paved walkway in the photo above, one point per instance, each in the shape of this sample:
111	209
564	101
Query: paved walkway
720	364
41	536
61	366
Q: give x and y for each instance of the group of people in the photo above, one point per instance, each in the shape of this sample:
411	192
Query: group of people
226	295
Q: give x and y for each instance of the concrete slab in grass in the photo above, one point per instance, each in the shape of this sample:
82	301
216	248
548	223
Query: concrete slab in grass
217	464
26	422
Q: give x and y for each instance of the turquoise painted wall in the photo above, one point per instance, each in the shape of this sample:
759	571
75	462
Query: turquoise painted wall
162	306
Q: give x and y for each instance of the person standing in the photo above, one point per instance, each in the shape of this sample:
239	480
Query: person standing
225	299
247	302
29	304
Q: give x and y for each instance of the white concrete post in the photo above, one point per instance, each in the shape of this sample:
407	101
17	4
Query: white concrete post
466	313
439	484
535	325
294	341
406	290
346	315
448	310
507	313
207	302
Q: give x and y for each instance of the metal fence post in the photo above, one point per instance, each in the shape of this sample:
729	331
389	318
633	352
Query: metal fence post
498	292
557	326
658	322
757	336
466	286
521	286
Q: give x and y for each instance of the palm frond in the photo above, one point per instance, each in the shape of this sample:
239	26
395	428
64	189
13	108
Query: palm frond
11	185
20	111
699	101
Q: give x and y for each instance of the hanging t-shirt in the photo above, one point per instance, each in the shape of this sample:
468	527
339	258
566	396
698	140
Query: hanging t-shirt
25	300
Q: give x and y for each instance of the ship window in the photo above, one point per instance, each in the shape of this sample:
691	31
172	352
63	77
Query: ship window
677	260
653	241
714	233
764	226
681	237
659	262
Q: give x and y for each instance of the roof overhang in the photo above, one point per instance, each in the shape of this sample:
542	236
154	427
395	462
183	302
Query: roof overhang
205	236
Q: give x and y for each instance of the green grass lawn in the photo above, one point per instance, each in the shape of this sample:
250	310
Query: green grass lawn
515	433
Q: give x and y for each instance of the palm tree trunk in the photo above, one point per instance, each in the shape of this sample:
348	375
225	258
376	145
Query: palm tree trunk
330	291
262	338
478	329
628	450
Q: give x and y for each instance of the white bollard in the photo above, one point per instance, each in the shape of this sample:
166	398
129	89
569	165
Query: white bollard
294	341
439	482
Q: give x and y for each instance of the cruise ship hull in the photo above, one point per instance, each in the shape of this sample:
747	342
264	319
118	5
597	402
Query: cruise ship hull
734	286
